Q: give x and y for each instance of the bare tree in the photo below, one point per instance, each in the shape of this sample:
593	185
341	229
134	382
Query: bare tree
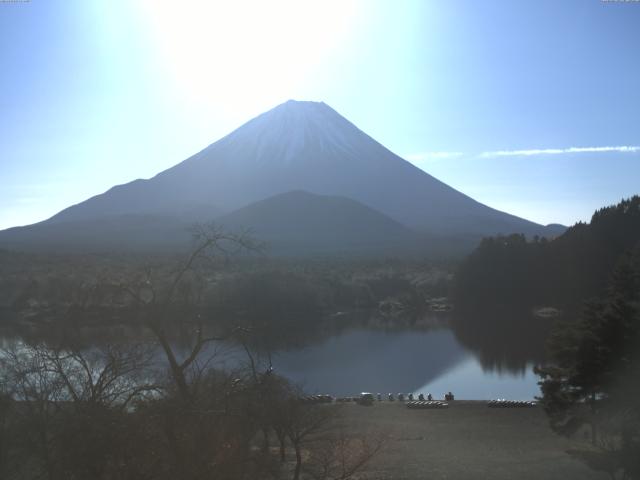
6	414
211	243
301	422
70	403
26	374
340	456
111	376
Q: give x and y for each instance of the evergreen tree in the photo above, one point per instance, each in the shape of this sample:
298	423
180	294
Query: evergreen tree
594	376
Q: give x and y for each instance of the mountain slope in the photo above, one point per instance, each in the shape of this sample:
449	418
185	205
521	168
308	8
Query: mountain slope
296	146
293	223
108	233
303	146
298	222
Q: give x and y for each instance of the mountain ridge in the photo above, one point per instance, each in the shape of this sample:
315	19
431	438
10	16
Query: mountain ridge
299	222
304	146
296	223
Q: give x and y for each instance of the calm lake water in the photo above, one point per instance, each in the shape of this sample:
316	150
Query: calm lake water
361	359
419	361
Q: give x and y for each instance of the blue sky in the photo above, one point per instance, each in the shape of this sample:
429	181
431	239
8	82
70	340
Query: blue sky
528	106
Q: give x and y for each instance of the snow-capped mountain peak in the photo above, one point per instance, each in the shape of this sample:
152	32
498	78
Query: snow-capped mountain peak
285	132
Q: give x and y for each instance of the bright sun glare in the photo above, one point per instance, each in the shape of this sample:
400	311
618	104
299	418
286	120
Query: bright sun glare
246	53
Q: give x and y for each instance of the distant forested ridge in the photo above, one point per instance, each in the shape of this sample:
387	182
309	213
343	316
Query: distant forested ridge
499	289
510	272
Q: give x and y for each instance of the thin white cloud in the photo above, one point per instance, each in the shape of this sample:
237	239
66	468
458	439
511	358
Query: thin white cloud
560	151
434	156
426	156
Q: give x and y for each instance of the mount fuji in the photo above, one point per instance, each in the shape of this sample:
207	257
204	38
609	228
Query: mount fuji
298	147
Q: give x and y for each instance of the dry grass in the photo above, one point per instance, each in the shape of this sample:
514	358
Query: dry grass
466	441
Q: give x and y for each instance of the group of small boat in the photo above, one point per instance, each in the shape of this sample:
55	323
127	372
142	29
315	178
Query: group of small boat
366	398
420	401
427	404
502	403
401	397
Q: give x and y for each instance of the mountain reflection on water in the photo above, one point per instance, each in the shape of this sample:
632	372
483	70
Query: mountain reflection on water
472	363
400	361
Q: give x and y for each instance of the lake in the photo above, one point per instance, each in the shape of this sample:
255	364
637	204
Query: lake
359	358
418	361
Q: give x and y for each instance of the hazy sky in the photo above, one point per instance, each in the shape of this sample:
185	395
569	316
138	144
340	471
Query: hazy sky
532	107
